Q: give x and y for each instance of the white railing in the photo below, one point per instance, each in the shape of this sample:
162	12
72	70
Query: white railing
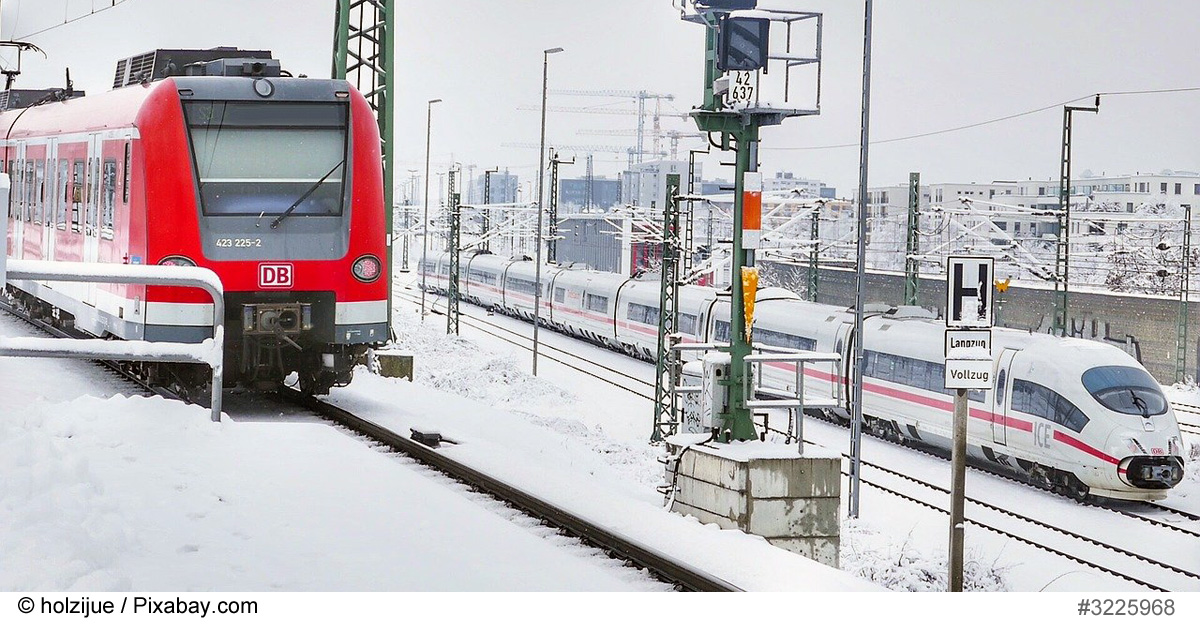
209	351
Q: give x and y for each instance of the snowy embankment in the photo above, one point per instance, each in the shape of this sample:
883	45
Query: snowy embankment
553	442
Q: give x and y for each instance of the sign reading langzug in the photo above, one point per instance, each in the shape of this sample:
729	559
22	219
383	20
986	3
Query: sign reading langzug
969	322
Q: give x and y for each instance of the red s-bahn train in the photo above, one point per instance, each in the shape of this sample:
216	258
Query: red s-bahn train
219	159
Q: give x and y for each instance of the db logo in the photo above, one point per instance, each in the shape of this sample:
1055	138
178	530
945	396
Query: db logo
275	275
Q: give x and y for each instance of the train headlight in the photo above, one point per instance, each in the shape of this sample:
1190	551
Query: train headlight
367	268
176	261
1174	446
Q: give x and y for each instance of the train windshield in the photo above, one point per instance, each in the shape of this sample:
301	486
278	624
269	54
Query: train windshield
269	158
1125	390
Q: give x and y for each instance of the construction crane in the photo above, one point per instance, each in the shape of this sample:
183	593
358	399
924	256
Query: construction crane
673	136
640	96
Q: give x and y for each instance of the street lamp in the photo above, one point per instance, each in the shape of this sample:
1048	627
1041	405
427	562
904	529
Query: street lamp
537	236
425	224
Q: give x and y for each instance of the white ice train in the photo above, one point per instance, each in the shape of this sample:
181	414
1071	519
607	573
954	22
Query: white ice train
1081	417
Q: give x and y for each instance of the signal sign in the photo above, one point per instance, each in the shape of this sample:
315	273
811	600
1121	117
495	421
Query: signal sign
969	291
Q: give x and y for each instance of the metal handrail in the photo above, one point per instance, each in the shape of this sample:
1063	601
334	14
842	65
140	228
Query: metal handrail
192	277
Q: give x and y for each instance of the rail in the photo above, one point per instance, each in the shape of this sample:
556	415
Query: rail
209	351
671	569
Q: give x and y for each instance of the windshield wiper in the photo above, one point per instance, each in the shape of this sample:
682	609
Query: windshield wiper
311	190
1140	404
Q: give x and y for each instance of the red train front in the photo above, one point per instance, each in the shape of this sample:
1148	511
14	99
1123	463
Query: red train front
273	182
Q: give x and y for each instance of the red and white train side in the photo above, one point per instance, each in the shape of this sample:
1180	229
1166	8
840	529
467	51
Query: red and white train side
1082	417
273	182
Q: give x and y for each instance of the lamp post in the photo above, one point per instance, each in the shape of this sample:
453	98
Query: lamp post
537	236
425	200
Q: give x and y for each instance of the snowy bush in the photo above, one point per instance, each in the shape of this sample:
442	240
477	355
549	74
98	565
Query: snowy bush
868	554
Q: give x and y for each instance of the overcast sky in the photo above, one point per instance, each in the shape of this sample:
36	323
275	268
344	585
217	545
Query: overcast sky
937	64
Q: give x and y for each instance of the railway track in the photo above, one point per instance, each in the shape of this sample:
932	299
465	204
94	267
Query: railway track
666	568
1103	556
1188	426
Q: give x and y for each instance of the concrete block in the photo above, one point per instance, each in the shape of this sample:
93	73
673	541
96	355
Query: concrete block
712	498
395	364
807	517
716	470
790	500
823	550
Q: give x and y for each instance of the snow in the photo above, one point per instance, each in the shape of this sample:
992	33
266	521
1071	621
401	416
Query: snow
118	492
895	543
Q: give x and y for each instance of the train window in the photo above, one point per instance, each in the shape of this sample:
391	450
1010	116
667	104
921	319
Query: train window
482	277
39	193
560	295
63	193
285	157
76	195
721	331
784	340
687	323
520	286
108	198
1126	390
643	313
125	173
598	303
1041	401
14	197
28	190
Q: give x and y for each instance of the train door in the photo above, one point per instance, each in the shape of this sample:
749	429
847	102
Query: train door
1001	397
91	219
17	202
842	345
50	200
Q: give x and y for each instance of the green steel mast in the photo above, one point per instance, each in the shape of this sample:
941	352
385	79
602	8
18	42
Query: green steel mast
363	54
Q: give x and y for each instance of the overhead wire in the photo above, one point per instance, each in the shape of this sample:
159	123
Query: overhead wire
985	122
66	18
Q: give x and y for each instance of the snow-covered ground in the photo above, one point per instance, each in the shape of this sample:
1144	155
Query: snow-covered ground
104	492
119	492
894	543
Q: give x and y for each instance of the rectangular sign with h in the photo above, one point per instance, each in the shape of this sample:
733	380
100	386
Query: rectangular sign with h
969	291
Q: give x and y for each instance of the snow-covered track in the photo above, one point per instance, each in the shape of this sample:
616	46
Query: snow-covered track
669	569
1190	420
569	359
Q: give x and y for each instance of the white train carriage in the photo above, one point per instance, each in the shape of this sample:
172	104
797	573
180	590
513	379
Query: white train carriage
519	282
638	303
585	304
1080	416
483	279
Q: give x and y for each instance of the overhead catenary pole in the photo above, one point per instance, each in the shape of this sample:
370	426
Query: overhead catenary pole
666	372
552	225
487	211
364	55
1185	270
860	298
814	254
537	235
912	264
454	248
425	222
1062	259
